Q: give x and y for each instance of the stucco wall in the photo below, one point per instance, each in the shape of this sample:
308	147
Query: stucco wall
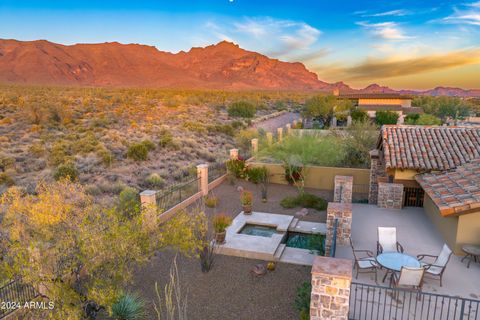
403	102
316	177
468	229
446	226
405	174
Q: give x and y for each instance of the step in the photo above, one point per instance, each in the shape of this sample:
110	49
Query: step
279	251
293	224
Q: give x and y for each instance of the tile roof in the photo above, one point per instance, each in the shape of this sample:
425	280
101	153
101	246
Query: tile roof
455	191
429	147
376	107
375	96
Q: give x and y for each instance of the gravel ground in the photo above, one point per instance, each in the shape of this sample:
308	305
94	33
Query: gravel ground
228	291
229	199
280	121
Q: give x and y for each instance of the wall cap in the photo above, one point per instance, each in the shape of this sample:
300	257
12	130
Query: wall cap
332	267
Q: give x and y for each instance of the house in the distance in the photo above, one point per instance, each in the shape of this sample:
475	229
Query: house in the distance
373	102
434	167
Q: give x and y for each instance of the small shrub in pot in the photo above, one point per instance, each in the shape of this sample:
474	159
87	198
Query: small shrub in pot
246	198
221	222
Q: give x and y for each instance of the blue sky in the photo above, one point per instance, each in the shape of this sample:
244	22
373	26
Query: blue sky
403	44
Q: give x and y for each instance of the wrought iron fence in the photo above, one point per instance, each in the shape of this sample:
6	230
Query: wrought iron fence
216	170
360	193
375	302
175	194
13	294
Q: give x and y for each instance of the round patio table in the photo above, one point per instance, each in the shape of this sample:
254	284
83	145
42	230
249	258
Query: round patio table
472	253
394	261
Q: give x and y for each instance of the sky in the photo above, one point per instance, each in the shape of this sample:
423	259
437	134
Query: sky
401	44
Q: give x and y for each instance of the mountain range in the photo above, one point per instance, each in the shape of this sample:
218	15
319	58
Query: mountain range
221	66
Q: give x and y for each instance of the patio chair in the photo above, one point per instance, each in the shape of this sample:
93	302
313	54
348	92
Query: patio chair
365	261
437	267
387	240
411	278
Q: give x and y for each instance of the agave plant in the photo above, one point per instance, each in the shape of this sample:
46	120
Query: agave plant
130	306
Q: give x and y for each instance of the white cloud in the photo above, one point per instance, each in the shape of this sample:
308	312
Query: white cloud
469	14
385	30
394	13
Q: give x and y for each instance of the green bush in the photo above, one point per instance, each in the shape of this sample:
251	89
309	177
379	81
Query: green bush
129	307
236	168
411	118
154	181
6	180
359	115
66	171
221	128
302	301
194	126
105	155
422	120
306	200
386	117
60	153
242	109
257	175
129	202
137	152
6	162
166	139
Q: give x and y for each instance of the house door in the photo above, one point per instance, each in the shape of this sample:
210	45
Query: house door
413	197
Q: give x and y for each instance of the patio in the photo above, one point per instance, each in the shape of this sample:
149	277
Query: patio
418	236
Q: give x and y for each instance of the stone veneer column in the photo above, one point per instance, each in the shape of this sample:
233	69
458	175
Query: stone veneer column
269	138
349	121
342	212
280	134
202	174
234	154
390	195
289	129
254	146
148	198
330	297
343	189
375	168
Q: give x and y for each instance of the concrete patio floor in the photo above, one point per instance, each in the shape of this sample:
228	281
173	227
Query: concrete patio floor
418	236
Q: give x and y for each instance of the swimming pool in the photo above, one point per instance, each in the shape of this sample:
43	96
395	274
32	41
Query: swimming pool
258	230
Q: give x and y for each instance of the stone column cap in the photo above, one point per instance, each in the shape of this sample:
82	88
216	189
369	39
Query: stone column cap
148	192
375	153
332	267
346	178
339	206
203	165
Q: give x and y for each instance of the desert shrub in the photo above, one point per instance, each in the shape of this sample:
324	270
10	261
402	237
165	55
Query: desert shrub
154	181
237	124
5	179
242	109
129	307
137	152
362	137
86	144
211	201
359	115
244	138
221	128
37	149
236	167
257	175
6	162
105	156
386	117
66	171
129	202
302	301
423	119
306	200
194	126
60	153
165	139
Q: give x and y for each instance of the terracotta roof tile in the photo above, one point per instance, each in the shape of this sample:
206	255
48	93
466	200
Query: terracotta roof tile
429	147
454	191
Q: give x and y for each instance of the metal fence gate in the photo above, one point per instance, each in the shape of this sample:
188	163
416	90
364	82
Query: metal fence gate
375	302
413	197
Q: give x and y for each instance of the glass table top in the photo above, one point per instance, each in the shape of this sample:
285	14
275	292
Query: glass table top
396	260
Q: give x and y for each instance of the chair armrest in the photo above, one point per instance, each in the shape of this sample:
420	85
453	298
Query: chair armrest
368	252
428	266
399	247
379	248
423	256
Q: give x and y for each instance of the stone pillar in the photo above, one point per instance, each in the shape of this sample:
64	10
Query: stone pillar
349	121
334	122
294	123
390	195
148	198
280	134
269	138
254	145
401	119
234	154
376	170
202	174
330	297
342	212
343	189
289	129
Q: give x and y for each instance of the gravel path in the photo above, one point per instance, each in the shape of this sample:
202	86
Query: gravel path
280	121
228	291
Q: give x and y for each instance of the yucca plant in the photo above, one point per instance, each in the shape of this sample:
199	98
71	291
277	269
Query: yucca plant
130	306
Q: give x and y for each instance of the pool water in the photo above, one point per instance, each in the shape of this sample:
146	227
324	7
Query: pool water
313	242
258	230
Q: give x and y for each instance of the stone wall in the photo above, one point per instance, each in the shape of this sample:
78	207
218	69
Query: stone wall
342	212
343	189
377	169
390	195
331	280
